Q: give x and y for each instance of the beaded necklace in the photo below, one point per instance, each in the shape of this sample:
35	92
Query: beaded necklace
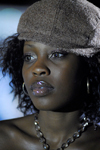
65	145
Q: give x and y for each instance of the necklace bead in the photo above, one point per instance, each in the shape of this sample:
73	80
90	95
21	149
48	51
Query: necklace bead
39	134
64	145
46	146
42	140
37	127
36	122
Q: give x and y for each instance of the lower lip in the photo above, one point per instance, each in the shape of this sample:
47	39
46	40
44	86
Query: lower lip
41	91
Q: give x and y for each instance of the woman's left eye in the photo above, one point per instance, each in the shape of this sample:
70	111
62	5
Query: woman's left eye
58	54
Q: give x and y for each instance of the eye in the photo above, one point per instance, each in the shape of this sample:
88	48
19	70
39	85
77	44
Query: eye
29	57
61	54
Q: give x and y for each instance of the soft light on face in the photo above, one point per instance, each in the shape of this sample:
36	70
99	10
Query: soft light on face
53	77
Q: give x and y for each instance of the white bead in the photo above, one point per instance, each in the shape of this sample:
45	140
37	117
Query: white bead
46	146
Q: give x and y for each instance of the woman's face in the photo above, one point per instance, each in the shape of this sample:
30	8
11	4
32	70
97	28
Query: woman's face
53	77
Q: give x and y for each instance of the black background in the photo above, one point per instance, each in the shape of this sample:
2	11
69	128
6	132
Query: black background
29	2
17	2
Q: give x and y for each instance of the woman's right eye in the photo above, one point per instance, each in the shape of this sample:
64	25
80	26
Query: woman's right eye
29	58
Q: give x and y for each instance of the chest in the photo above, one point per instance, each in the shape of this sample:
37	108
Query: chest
34	144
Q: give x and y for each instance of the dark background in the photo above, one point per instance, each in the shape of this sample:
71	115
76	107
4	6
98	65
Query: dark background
17	2
29	2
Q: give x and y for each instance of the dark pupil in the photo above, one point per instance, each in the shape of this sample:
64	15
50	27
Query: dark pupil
56	54
28	57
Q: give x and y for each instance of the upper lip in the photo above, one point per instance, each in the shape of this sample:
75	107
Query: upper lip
39	84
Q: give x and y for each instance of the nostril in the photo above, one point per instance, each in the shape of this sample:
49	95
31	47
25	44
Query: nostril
34	73
42	73
39	73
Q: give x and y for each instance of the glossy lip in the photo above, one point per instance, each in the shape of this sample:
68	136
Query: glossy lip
41	88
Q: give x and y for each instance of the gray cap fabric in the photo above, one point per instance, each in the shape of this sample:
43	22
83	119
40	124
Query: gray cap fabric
72	25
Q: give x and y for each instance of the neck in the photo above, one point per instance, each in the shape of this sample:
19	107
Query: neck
59	126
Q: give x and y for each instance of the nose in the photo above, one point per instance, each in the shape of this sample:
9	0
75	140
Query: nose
39	69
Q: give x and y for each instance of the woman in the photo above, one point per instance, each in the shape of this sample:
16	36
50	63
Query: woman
55	57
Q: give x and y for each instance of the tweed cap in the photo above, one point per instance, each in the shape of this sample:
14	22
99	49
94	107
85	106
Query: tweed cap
72	25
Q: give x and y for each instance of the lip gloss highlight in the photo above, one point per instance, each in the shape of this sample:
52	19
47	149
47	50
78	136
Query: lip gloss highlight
41	88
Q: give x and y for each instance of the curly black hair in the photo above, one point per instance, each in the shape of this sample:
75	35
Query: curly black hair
12	62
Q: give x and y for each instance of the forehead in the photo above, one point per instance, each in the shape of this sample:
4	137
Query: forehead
38	45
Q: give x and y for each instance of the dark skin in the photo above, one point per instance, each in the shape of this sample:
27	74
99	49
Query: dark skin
59	110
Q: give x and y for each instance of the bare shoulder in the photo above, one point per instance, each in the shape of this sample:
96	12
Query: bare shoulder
15	130
97	139
20	123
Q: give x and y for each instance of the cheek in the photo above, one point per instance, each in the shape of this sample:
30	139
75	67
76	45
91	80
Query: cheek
65	76
67	80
